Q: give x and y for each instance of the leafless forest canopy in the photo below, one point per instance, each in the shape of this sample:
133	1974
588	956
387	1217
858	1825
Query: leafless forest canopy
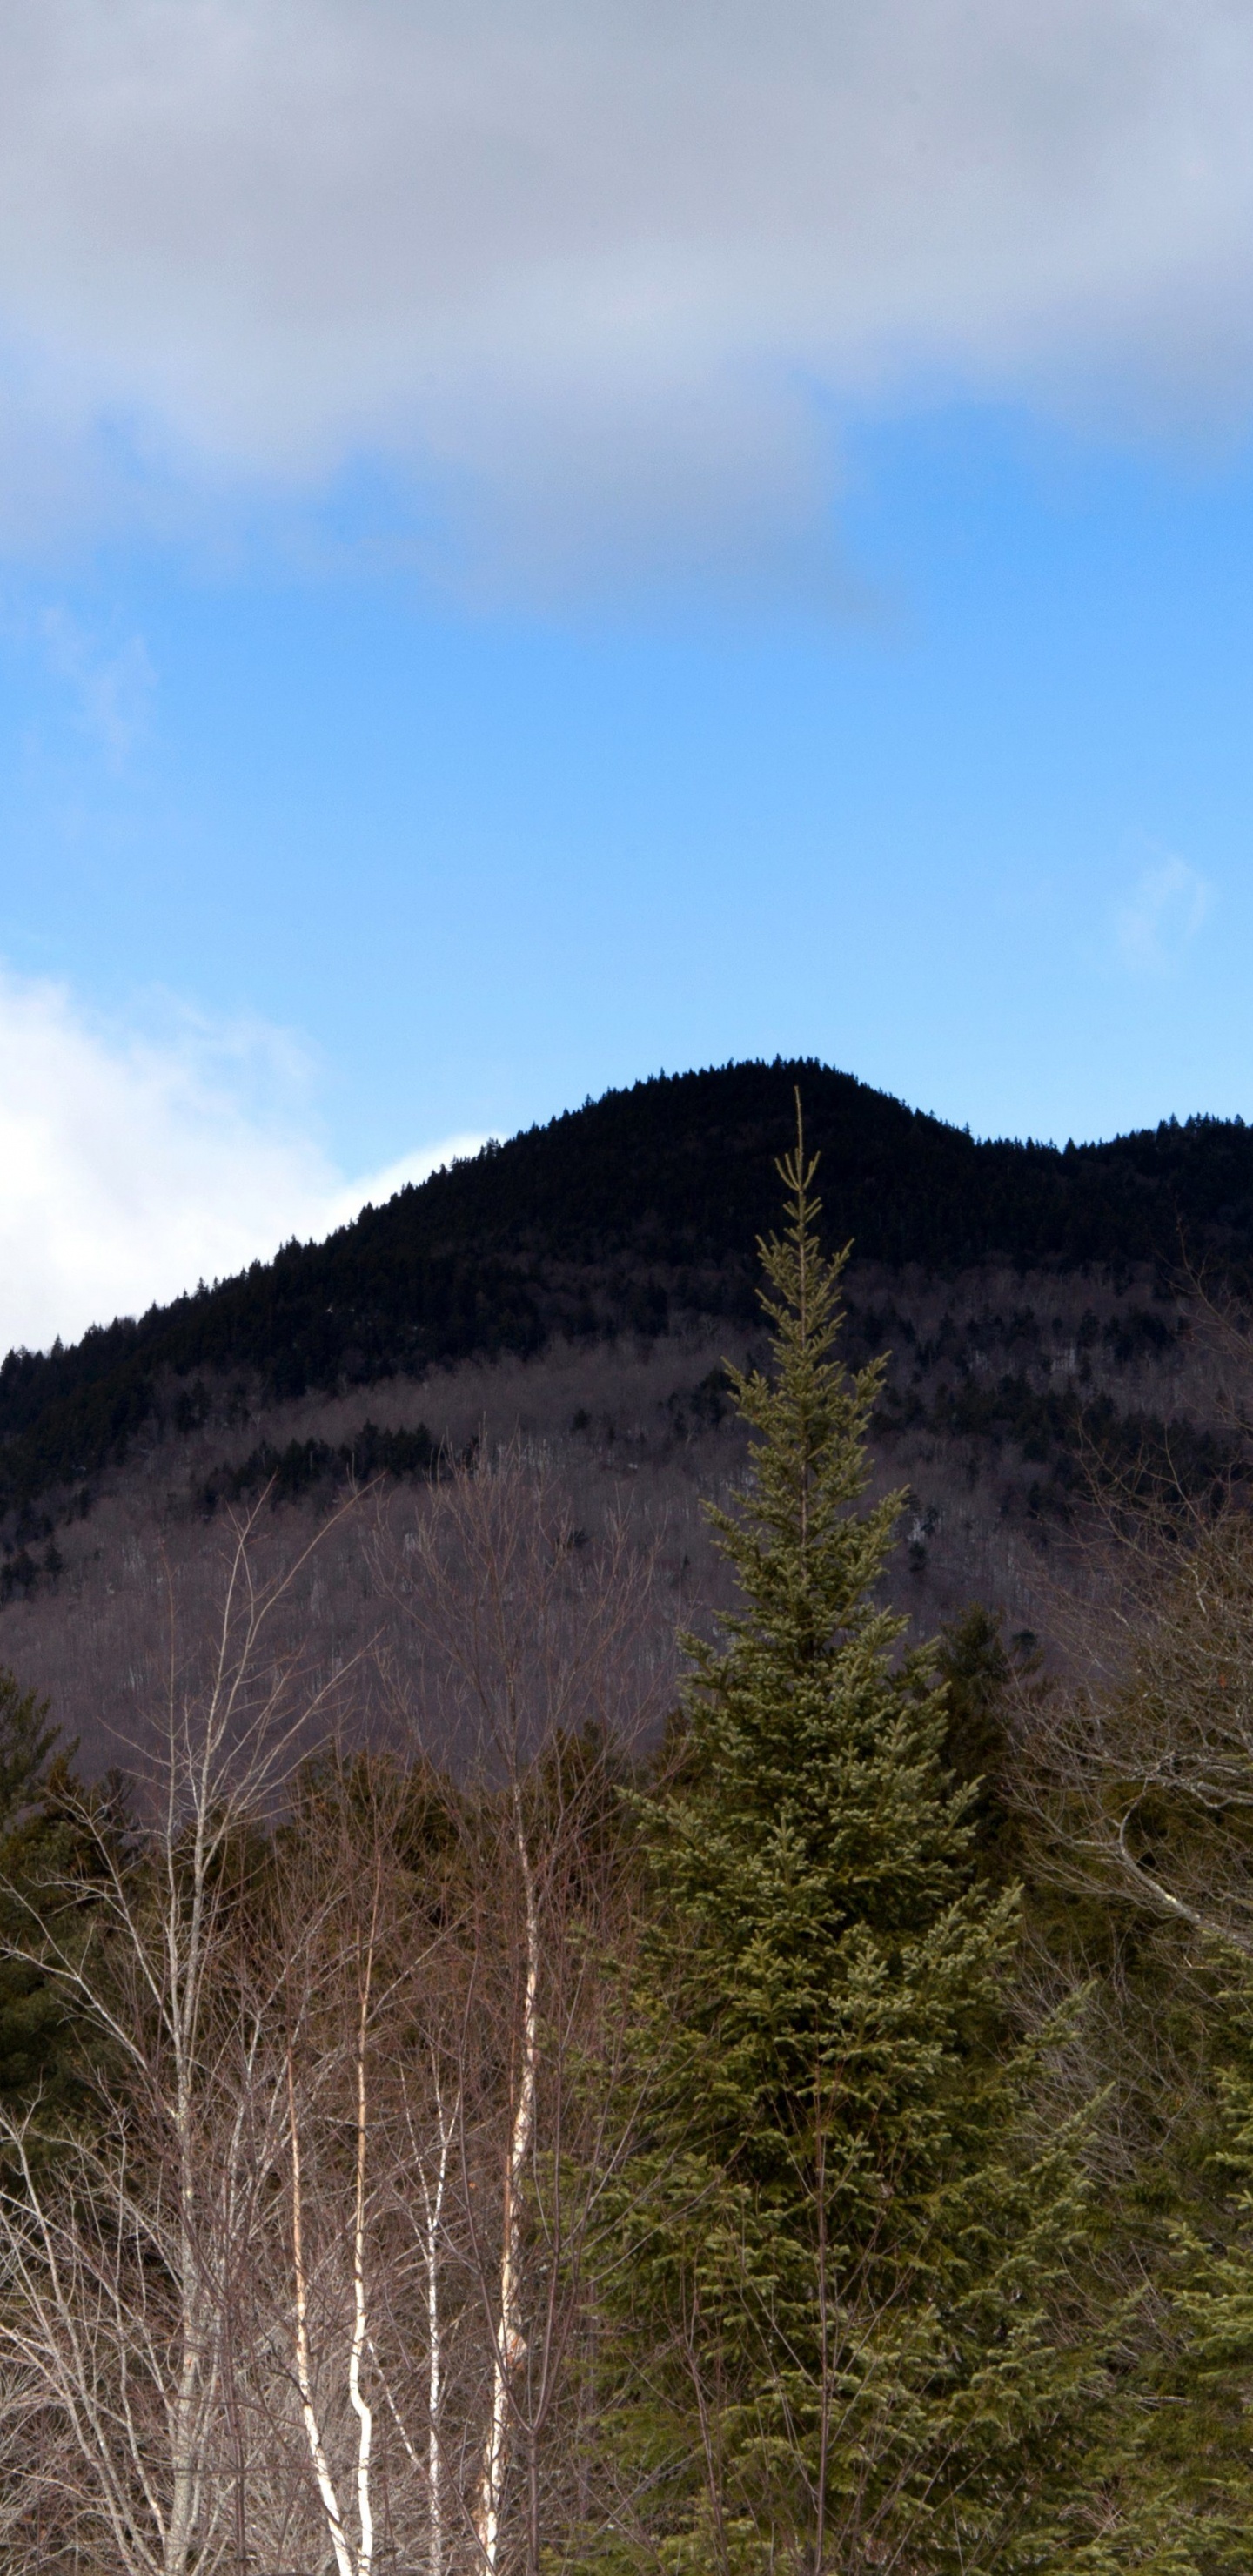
315	2015
1002	1388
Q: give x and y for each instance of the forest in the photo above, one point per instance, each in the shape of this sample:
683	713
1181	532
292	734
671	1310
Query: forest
772	2098
625	1217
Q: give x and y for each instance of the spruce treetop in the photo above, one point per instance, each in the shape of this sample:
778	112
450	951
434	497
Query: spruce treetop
806	1566
819	1745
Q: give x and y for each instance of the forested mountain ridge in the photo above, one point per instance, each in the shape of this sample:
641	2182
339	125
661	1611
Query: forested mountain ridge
625	1215
890	2037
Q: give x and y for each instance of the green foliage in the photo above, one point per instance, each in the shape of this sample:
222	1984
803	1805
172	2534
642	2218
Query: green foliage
1151	1788
1170	2479
27	1736
1199	2382
979	1671
56	1836
838	2305
1194	2385
39	1850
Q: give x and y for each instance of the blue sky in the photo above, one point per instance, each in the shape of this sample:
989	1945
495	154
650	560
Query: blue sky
636	627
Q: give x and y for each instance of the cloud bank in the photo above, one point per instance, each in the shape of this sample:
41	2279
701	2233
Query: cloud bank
133	1168
593	271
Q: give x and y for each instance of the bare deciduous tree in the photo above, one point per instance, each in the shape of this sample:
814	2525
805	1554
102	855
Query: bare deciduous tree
121	2240
304	2286
1140	1779
544	1652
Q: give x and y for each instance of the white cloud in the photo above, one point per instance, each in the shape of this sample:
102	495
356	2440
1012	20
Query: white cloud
1161	917
112	682
587	263
131	1167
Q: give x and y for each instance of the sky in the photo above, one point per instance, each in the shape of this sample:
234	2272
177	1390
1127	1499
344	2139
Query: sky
549	543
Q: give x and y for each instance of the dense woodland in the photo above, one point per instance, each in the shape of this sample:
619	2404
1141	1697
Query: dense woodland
786	2109
625	1217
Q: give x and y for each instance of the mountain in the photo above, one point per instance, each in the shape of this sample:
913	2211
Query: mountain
582	1285
624	1216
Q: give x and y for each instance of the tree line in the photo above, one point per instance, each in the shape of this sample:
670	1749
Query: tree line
798	2122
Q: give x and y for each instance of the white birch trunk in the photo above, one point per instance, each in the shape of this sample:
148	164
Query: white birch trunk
508	2340
304	2376
360	2407
434	2211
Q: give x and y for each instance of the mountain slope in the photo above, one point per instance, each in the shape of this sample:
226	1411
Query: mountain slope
635	1210
580	1288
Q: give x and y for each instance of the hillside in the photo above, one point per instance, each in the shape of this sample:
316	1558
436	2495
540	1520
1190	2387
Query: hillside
582	1284
631	1214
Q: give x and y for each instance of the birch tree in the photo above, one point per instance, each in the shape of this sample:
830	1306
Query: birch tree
121	2253
542	1654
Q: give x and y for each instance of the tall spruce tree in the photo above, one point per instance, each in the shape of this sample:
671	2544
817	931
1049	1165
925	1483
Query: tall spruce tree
837	2324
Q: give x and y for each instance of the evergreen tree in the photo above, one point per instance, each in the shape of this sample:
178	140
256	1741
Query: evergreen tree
1185	2471
46	1865
837	2328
